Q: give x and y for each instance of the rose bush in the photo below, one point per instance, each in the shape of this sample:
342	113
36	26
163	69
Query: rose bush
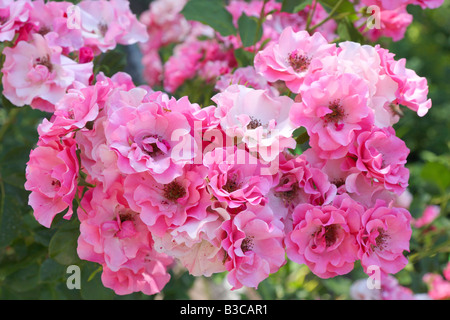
263	139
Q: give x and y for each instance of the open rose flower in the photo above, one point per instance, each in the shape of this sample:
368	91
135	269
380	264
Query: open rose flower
14	14
164	205
253	241
236	177
292	57
332	110
37	74
381	158
104	24
259	120
384	235
324	237
52	174
147	135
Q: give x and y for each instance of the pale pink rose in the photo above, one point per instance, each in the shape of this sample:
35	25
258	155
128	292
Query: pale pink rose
110	232
246	76
147	135
412	90
149	276
332	110
165	24
392	290
253	241
404	200
359	290
51	20
207	59
430	213
381	157
364	62
195	243
256	118
13	15
324	237
104	24
431	4
164	205
292	57
37	74
298	182
393	24
153	68
52	174
97	159
384	235
438	287
236	177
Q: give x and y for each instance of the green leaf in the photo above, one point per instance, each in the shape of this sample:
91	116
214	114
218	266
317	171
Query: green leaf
345	6
51	271
294	6
243	57
211	13
63	247
437	173
248	30
347	31
92	288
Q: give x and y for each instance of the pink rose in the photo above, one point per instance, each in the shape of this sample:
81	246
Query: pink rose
36	73
164	205
236	177
147	135
295	55
253	241
430	213
384	235
256	118
332	110
14	14
324	237
52	174
104	24
381	157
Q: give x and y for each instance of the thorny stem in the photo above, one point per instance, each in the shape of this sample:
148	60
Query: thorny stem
329	17
311	15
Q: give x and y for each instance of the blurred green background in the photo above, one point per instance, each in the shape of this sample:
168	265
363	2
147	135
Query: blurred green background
33	259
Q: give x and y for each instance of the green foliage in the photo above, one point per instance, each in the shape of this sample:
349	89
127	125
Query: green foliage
250	30
211	13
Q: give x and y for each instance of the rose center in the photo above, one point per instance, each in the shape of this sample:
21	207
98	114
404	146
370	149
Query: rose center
45	61
254	123
174	191
247	244
298	62
337	112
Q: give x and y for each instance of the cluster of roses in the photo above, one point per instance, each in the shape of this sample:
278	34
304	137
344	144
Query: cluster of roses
201	53
218	188
49	46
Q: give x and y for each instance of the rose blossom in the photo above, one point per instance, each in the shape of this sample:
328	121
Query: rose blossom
324	237
195	243
259	120
13	15
297	181
253	244
381	158
384	235
104	24
332	109
236	177
149	275
52	174
38	74
146	134
162	205
430	213
292	57
110	232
